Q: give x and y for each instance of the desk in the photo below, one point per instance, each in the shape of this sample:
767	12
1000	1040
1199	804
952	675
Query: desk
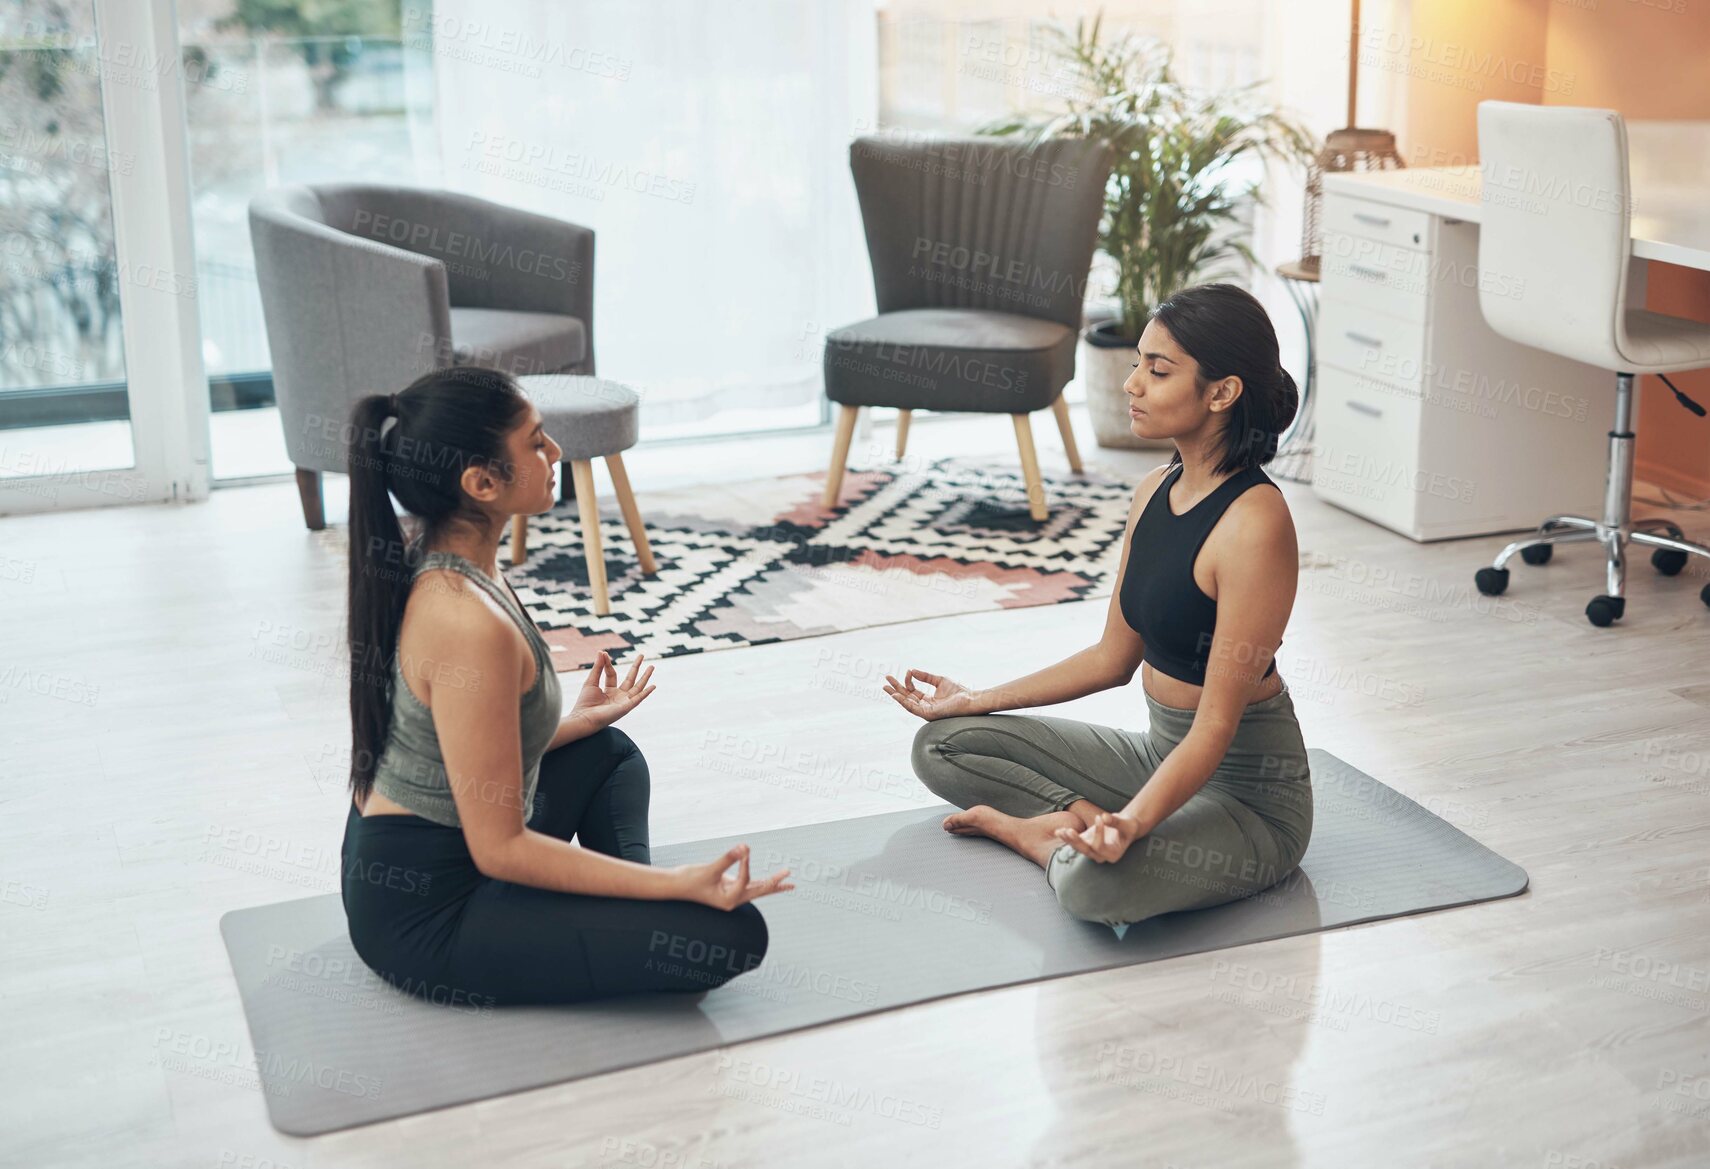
1428	422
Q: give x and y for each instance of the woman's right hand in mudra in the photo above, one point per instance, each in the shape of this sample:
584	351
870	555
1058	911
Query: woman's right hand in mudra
713	884
947	700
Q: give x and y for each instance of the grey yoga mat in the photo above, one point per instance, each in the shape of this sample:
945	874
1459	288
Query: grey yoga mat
888	910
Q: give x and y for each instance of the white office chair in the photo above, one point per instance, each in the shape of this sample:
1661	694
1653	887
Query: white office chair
1556	224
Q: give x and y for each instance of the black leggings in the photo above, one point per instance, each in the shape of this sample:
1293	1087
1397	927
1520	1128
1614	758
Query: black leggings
426	920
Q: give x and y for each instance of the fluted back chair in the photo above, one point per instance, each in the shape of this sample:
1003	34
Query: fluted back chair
980	249
364	288
1566	246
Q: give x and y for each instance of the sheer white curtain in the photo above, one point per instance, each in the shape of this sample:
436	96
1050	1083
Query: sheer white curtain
706	143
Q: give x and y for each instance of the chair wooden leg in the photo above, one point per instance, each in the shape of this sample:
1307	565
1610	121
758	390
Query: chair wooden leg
519	539
903	419
588	507
309	492
631	514
840	454
1030	469
1061	409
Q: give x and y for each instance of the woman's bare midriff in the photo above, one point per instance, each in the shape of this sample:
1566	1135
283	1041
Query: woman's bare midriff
1168	691
379	805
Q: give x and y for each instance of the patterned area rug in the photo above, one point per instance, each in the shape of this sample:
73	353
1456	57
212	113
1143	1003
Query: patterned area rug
761	561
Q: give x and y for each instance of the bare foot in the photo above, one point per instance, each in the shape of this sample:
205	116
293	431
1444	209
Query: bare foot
1032	837
974	821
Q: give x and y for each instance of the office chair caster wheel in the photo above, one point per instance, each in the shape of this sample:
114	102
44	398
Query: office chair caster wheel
1603	611
1704	594
1537	553
1492	582
1668	561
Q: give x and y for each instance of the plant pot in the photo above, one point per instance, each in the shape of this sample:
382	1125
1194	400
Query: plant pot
1105	360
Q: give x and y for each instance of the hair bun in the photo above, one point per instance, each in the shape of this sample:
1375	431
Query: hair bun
1288	399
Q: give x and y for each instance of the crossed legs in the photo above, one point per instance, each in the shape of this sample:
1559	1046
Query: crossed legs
1018	778
438	926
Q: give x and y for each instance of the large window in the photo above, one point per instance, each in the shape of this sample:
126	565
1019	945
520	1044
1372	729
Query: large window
64	405
287	91
952	65
706	143
275	91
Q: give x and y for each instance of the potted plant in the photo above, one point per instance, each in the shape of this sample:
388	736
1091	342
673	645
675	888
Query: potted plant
1171	210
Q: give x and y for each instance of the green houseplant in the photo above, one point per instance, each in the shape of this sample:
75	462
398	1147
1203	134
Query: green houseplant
1171	207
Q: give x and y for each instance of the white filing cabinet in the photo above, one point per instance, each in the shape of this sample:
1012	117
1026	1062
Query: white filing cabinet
1428	422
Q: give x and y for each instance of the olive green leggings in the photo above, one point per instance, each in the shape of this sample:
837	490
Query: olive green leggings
1244	831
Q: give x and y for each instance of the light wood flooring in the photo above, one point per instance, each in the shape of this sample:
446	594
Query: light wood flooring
171	744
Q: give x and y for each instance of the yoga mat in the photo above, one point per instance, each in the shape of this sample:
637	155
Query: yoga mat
889	910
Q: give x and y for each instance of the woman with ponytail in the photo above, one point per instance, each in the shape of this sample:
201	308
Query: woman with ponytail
469	783
1213	801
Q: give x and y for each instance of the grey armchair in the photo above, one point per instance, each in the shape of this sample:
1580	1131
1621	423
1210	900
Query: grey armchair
365	288
980	250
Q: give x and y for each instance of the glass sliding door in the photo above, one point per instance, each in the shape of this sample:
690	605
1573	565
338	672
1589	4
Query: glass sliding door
290	91
98	339
65	408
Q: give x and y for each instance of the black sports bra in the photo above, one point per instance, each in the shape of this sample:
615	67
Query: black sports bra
1160	600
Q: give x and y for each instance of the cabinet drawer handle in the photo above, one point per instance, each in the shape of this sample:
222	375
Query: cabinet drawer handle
1367	217
1364	408
1374	273
1362	339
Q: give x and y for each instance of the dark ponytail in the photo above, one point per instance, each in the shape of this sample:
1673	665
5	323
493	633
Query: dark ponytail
1226	330
413	446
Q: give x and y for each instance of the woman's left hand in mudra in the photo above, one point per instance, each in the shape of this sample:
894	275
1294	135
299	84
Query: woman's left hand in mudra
603	699
1105	839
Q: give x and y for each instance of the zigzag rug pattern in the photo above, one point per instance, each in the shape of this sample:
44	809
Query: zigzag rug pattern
758	562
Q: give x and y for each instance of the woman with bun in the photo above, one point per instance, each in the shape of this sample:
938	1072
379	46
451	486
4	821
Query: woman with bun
1213	801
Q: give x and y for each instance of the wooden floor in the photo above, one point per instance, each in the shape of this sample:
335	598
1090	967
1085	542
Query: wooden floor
172	744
